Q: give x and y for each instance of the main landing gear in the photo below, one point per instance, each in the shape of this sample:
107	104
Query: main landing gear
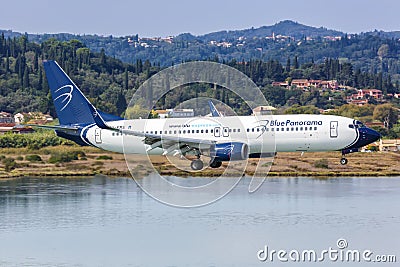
215	163
197	164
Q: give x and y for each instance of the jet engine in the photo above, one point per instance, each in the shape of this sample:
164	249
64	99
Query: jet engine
229	151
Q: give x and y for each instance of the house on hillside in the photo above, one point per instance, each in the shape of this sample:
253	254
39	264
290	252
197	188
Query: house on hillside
162	113
332	84
315	83
281	84
263	110
375	93
32	118
362	96
300	83
6	117
389	145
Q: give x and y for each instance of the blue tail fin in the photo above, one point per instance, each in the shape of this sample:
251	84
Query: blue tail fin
71	105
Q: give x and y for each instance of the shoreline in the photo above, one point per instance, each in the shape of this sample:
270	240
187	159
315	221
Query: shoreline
92	161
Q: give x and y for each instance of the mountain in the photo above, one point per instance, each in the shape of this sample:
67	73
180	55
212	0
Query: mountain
375	51
286	27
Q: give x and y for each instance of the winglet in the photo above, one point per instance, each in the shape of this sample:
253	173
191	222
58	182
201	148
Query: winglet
214	111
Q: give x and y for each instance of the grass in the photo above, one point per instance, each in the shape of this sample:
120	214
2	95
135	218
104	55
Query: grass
90	161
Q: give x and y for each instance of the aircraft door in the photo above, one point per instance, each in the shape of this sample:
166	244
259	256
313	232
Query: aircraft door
217	131
334	129
225	132
97	136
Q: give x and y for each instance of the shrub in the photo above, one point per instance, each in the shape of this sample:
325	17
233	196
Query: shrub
60	157
33	158
104	157
19	158
9	164
32	141
322	163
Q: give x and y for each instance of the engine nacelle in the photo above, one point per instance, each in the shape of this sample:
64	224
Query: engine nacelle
230	151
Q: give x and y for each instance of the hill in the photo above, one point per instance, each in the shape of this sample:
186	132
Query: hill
374	52
286	27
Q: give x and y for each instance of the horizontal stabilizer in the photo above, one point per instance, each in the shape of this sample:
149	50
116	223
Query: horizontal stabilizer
55	127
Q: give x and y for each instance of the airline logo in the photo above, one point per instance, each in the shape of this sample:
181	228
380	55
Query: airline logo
65	96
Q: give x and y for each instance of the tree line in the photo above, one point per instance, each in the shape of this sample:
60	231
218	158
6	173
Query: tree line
109	83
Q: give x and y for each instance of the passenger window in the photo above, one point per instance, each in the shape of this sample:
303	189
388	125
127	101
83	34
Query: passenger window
174	132
197	131
283	129
248	130
202	131
315	128
252	130
277	129
258	129
206	130
184	131
305	128
211	130
238	130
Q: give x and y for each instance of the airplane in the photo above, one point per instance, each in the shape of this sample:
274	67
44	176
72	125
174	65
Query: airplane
219	138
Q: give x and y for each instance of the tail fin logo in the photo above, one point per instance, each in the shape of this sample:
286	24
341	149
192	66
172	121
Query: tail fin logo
66	95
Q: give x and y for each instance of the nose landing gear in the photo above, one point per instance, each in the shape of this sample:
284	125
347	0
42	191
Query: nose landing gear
343	160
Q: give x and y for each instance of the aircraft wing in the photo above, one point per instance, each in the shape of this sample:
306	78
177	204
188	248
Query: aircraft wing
168	142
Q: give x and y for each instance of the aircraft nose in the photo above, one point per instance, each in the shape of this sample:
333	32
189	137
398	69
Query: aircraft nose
371	135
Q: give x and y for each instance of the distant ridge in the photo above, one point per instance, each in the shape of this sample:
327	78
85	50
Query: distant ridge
282	41
286	27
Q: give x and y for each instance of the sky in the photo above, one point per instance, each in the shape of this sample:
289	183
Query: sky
150	18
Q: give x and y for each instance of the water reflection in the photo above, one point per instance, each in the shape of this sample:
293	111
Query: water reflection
100	221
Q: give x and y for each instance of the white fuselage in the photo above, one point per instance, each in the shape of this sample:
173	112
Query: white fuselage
283	133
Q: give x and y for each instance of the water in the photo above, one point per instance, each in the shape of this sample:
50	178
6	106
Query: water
110	222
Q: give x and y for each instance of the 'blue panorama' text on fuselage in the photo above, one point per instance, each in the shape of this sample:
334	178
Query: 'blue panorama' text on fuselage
291	123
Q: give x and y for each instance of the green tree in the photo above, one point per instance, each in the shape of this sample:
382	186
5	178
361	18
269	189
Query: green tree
387	114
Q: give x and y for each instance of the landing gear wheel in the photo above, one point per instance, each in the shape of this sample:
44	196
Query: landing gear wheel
343	161
215	164
196	165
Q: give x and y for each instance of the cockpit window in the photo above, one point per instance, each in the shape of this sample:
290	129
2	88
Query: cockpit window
357	124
